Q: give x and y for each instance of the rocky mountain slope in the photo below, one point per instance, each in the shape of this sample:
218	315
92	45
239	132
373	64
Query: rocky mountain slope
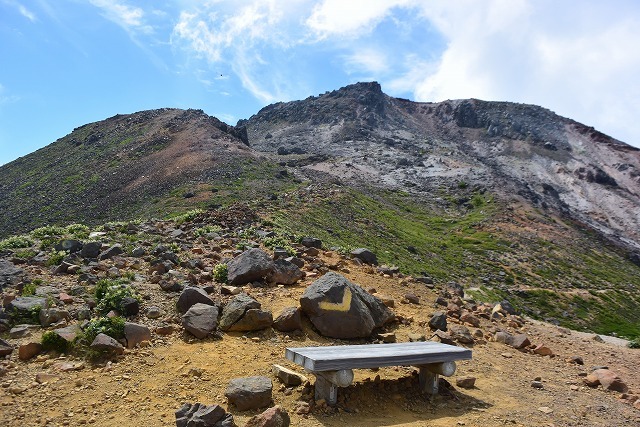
507	200
511	149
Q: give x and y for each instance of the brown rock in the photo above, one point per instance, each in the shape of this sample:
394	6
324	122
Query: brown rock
469	318
29	350
272	417
543	350
609	380
289	320
575	360
466	382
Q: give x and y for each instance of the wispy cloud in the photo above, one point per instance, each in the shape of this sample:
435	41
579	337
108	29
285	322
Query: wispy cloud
5	98
130	18
22	9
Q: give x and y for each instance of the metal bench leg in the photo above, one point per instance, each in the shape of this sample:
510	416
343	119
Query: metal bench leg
326	390
327	383
428	381
429	375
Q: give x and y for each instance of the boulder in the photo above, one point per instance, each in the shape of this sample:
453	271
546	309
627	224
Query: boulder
200	320
5	348
10	275
130	306
68	333
520	341
107	344
341	309
135	334
111	252
311	242
288	320
272	417
236	308
49	316
365	255
285	273
91	250
249	266
191	296
461	334
608	379
200	415
253	319
438	321
249	393
29	350
26	308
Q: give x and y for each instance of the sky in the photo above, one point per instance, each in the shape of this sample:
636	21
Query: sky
65	63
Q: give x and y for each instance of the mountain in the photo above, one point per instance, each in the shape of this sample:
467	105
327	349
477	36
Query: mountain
509	200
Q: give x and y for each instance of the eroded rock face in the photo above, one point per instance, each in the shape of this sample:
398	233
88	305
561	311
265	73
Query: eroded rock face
339	308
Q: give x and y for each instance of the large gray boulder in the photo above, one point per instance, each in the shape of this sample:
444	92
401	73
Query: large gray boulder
91	250
249	266
26	309
365	255
341	309
285	272
253	320
250	392
10	275
200	320
243	313
200	415
191	296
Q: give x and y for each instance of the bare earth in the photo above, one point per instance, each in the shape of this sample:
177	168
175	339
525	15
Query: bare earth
146	385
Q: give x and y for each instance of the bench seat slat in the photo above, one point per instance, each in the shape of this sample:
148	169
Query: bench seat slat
330	358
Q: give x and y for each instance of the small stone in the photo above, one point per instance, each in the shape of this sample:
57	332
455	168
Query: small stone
543	350
272	417
537	384
577	360
507	355
29	350
545	410
520	341
388	337
42	377
105	343
249	393
412	298
466	382
287	376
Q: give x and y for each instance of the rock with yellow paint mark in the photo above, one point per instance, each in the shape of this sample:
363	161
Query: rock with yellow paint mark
339	308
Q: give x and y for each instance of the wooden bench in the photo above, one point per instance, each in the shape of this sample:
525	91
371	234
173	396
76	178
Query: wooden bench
333	365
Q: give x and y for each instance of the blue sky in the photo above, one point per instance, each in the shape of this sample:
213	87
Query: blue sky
65	63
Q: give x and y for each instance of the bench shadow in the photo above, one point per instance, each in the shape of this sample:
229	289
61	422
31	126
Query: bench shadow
388	402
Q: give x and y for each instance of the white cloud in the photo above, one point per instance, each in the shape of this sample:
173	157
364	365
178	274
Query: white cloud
6	99
351	17
579	60
368	60
128	17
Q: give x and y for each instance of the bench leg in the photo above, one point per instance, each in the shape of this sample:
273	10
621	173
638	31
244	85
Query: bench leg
326	390
428	381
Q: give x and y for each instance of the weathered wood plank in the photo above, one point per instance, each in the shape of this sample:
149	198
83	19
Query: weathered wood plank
332	358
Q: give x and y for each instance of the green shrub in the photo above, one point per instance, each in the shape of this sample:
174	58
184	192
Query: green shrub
112	326
25	254
634	343
77	231
462	184
220	273
186	216
15	242
48	231
55	258
29	289
53	341
202	231
111	296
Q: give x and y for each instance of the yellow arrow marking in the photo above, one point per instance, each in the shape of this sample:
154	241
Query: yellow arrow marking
345	305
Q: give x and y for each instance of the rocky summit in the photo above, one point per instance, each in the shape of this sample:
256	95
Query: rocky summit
155	266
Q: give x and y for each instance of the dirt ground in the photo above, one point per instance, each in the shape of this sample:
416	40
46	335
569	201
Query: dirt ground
146	385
